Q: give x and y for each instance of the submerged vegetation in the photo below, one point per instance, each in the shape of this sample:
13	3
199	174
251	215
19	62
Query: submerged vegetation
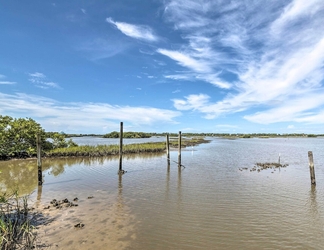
16	229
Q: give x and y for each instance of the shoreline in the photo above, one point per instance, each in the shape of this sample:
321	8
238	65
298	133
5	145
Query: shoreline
113	150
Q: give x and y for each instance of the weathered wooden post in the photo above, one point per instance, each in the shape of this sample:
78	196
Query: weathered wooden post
39	159
311	167
168	148
179	150
121	149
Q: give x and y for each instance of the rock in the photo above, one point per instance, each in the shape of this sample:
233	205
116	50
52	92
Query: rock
79	225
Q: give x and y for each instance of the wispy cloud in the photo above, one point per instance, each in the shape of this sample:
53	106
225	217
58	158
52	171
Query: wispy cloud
186	60
40	81
275	50
5	82
300	109
100	48
84	117
141	32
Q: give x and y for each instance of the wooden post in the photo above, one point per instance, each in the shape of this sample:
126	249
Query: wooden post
168	148
121	149
179	150
311	167
39	160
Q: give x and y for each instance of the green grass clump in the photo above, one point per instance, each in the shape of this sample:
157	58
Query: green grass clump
16	230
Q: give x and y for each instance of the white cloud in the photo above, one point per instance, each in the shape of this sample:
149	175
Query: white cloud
275	50
301	109
141	32
186	60
293	12
195	102
40	81
7	82
86	117
37	75
100	48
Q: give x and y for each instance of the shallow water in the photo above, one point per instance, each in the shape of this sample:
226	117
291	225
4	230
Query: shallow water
209	204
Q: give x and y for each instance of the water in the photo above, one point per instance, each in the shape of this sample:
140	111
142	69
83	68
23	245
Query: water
209	204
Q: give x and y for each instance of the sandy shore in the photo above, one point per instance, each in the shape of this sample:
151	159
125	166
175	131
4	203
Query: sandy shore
108	224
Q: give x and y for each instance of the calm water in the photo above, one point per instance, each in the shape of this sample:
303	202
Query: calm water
209	204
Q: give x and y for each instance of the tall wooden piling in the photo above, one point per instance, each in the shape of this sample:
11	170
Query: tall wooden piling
121	149
39	159
168	148
311	167
179	150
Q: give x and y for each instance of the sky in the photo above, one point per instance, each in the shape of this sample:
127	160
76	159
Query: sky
217	66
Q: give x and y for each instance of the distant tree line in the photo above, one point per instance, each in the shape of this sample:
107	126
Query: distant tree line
115	134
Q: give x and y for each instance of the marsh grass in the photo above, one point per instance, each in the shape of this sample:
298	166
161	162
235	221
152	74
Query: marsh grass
106	150
17	231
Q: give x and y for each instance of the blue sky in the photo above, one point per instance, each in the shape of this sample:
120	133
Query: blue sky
164	66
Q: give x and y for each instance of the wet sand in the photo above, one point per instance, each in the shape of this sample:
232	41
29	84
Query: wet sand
107	225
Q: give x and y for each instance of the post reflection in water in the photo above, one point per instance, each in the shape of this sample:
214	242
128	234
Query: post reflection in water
313	201
120	201
179	203
39	195
167	182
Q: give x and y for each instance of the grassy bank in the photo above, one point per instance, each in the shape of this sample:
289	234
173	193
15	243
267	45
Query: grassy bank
106	150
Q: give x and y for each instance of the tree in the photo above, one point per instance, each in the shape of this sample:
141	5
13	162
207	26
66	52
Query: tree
18	136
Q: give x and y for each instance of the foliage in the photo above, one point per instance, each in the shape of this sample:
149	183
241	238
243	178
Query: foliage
115	134
58	140
18	138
